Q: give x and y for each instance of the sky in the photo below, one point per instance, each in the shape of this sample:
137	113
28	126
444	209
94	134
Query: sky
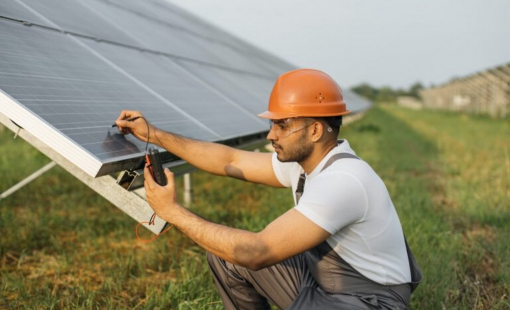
392	43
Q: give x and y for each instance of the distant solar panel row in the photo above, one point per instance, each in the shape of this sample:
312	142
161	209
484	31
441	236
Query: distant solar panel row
68	67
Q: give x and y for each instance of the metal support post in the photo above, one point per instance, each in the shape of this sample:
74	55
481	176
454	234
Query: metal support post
188	189
28	179
131	202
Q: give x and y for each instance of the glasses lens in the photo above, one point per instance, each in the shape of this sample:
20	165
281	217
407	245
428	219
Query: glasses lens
285	127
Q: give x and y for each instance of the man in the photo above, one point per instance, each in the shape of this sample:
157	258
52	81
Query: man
340	247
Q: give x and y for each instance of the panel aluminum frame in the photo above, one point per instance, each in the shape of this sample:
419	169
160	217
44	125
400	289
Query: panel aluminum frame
131	202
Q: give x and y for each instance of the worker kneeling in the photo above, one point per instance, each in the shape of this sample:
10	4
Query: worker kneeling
340	247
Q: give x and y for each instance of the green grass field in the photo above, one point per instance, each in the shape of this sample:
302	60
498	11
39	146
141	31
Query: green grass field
62	246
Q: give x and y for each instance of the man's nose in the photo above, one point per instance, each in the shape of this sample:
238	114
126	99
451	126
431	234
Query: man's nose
271	135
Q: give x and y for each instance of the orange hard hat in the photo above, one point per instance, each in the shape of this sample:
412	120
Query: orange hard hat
305	93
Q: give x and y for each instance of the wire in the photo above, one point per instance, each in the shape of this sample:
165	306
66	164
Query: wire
153	238
153	217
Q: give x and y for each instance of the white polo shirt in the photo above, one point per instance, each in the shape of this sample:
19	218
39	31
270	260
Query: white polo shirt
351	202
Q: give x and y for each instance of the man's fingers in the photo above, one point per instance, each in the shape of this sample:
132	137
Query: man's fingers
169	178
127	114
123	114
120	121
149	181
123	124
170	184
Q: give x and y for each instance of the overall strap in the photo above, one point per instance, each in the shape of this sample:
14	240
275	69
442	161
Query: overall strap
336	157
301	183
300	187
416	274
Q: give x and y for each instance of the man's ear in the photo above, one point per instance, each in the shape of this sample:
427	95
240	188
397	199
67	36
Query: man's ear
318	131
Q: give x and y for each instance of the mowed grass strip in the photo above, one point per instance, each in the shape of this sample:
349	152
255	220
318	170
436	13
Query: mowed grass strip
63	246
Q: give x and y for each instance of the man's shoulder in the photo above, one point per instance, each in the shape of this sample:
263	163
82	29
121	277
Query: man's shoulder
348	169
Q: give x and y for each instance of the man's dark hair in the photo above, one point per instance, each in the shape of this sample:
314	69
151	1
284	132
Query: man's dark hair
334	122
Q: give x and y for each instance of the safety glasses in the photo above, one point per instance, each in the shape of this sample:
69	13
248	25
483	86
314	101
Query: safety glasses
287	126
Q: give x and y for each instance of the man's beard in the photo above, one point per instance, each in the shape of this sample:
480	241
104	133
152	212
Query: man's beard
296	152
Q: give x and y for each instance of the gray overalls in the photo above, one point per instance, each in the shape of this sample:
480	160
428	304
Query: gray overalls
316	279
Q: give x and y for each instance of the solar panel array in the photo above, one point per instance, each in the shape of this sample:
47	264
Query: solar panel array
68	67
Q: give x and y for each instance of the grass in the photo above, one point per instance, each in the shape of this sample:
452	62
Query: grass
63	246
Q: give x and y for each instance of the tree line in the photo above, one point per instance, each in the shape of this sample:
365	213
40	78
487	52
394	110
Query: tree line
386	93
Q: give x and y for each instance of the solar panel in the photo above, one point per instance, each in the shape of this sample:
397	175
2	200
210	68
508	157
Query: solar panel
19	11
76	94
356	103
68	67
241	88
77	17
174	17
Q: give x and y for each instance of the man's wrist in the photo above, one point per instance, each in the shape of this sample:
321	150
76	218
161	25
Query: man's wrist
173	213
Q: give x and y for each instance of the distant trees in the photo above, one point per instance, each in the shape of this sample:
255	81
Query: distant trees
414	90
385	93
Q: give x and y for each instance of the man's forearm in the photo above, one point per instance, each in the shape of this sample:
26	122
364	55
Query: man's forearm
237	246
211	157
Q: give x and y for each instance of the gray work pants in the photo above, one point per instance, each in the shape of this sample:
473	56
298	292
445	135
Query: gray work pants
315	279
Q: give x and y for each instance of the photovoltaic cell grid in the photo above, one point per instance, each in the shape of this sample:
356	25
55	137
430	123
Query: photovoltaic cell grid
81	62
78	86
141	24
174	17
73	90
194	96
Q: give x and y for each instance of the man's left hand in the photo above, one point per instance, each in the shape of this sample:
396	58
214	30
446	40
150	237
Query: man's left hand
162	199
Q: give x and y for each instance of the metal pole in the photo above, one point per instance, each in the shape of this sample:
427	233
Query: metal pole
188	189
28	179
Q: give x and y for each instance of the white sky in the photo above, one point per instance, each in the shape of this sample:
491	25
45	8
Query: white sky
392	42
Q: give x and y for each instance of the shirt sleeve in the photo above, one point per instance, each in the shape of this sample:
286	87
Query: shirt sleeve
282	171
333	201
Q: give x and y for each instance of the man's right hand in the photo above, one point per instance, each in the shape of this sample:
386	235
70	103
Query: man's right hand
137	128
